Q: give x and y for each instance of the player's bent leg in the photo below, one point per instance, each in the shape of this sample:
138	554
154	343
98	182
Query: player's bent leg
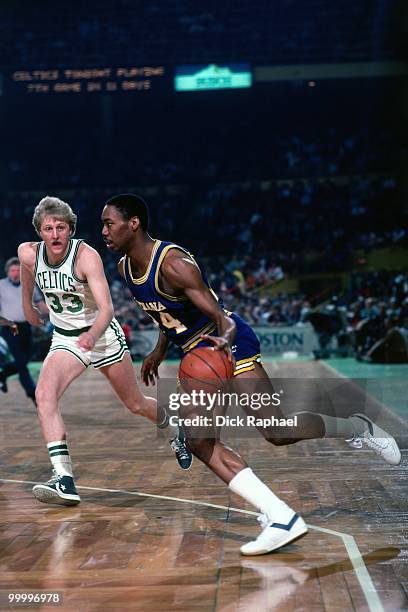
59	370
122	378
280	524
221	459
308	424
203	441
357	429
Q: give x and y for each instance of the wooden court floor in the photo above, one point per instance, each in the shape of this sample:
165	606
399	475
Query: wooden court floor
148	536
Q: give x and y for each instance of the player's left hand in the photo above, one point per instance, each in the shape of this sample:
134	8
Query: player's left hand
86	341
220	344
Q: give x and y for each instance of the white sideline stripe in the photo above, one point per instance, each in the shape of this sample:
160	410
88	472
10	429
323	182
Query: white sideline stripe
360	569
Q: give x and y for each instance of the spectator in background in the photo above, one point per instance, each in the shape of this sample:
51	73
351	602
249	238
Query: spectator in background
11	308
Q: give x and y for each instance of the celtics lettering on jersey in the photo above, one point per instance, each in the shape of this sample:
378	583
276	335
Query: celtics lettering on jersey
68	298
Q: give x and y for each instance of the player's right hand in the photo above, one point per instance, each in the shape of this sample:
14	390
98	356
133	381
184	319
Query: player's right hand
150	366
86	341
220	344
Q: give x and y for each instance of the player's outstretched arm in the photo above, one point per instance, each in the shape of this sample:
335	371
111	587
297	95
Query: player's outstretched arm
90	268
183	274
27	255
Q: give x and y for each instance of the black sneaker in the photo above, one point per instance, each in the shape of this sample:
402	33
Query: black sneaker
58	490
183	455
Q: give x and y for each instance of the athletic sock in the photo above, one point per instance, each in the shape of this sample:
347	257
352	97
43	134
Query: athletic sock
346	428
359	425
253	490
60	458
173	430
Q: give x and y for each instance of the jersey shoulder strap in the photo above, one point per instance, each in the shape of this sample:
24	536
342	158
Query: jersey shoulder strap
166	247
76	243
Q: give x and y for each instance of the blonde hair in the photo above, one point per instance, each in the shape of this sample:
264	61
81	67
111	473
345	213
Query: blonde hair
54	207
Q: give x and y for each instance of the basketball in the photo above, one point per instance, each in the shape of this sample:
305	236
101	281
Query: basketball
205	369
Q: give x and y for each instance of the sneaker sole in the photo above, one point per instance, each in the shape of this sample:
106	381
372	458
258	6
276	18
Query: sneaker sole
51	497
289	540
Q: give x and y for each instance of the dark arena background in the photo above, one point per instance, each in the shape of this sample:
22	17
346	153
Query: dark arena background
270	140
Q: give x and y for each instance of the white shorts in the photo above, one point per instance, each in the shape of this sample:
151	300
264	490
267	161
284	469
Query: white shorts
110	348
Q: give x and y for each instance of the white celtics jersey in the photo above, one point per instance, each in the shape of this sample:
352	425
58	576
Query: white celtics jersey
69	299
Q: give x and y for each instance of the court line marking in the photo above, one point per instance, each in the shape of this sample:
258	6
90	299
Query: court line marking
354	554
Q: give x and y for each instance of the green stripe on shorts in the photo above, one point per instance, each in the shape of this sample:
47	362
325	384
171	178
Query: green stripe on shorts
111	359
61	347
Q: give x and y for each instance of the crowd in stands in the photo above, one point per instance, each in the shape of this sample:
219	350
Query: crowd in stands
301	227
306	197
378	301
361	314
232	289
269	152
261	185
374	304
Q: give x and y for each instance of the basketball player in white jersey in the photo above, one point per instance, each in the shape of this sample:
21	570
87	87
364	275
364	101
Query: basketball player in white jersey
71	276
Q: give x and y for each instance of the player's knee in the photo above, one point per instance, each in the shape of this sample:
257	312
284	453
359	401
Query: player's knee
44	398
141	405
40	396
276	441
281	440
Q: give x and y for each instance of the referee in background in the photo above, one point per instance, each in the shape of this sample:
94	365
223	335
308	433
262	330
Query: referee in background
11	309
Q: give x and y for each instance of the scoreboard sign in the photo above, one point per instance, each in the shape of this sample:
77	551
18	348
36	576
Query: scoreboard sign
86	80
199	78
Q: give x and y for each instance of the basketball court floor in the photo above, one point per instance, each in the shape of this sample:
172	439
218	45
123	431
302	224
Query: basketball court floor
148	536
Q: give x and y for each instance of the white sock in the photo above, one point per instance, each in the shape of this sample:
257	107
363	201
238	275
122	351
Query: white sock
60	458
173	430
346	428
253	490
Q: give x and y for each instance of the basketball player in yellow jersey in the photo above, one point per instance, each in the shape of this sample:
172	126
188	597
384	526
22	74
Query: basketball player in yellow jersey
71	276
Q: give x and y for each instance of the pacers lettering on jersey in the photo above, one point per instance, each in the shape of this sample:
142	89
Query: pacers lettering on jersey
53	279
155	306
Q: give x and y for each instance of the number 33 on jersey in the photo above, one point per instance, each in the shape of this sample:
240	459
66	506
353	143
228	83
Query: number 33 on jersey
68	297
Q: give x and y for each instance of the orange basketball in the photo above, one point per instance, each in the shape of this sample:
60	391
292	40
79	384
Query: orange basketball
205	369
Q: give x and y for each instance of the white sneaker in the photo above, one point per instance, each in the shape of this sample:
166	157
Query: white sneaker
275	535
381	442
